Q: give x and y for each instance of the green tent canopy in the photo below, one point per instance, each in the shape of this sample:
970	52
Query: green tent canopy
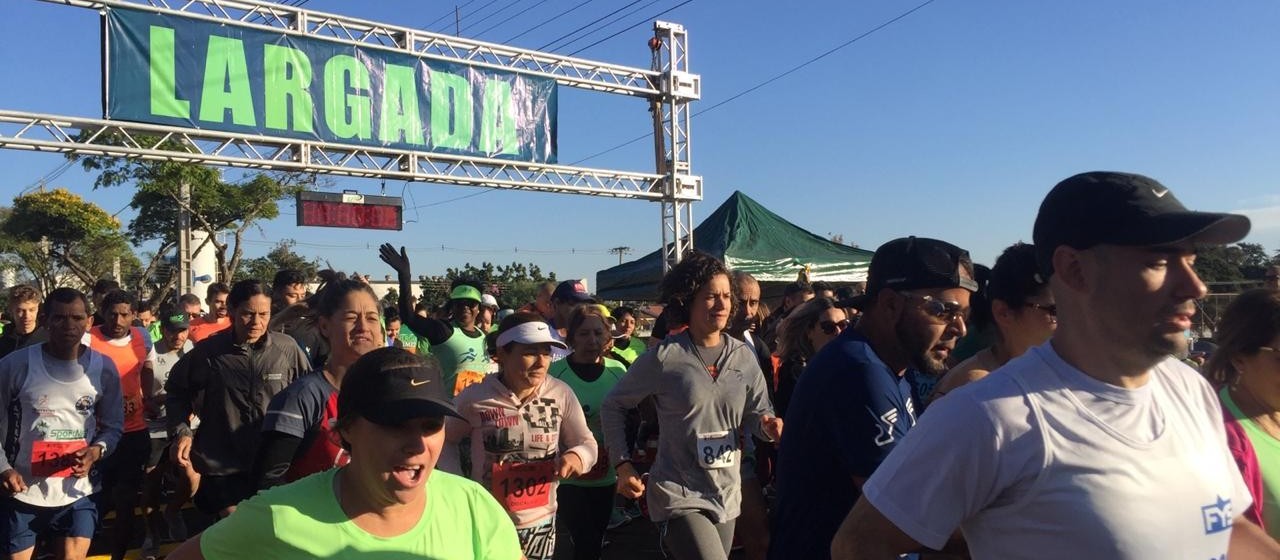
748	237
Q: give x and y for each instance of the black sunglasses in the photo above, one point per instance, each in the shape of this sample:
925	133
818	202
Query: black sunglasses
834	327
946	311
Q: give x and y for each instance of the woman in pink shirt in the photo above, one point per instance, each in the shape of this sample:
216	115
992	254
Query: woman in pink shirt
527	431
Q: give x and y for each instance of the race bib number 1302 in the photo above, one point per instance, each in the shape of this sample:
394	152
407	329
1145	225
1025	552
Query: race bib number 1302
717	450
521	486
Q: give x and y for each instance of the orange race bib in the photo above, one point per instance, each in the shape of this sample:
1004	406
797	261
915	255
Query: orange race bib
521	486
54	459
466	378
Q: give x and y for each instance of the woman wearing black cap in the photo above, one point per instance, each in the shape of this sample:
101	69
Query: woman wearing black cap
388	502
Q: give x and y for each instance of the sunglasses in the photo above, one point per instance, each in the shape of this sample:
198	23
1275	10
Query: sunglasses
946	311
834	327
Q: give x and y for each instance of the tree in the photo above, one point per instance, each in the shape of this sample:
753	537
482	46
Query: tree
513	285
279	258
216	205
391	299
56	234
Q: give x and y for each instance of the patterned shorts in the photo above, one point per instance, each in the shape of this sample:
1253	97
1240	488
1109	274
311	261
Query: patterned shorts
539	541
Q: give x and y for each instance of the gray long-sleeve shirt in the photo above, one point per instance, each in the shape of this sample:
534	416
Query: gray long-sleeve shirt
701	418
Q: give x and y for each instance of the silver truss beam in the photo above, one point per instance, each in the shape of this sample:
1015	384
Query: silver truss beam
569	71
671	122
54	133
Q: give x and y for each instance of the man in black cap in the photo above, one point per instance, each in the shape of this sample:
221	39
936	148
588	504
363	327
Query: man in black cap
567	295
853	403
1097	444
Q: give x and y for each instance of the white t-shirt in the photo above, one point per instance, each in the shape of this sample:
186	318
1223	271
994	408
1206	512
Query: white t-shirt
1028	469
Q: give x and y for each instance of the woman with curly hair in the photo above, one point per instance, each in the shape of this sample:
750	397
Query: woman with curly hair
708	389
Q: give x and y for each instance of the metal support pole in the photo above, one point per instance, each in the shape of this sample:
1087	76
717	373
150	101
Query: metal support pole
184	240
671	120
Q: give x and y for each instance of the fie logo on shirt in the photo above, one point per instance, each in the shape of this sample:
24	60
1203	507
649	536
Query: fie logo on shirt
1217	516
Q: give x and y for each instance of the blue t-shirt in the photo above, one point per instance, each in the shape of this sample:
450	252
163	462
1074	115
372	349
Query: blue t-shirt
848	412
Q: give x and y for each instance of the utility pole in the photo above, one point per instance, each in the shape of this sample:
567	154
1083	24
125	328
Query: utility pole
620	251
184	239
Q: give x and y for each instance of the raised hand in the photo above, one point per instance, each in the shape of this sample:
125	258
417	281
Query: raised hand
397	259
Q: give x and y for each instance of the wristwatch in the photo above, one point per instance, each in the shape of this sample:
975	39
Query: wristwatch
102	447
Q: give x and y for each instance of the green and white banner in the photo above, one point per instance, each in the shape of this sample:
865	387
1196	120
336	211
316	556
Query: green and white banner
188	72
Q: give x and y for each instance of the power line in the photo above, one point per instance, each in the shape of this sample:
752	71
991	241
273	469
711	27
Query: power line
445	248
597	20
511	17
494	13
630	27
455	199
51	175
553	18
770	80
473	12
448	13
607	25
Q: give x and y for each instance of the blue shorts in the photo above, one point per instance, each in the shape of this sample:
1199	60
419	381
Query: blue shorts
21	522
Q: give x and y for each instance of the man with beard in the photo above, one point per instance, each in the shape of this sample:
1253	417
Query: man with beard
853	403
1098	443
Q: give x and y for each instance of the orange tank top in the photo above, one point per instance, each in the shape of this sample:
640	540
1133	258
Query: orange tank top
128	360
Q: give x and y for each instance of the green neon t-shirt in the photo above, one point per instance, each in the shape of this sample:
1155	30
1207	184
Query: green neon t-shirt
301	520
591	396
1267	449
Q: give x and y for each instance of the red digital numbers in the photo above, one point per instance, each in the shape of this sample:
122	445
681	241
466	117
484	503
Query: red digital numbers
349	215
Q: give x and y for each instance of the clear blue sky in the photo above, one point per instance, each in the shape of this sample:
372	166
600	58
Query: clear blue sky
951	123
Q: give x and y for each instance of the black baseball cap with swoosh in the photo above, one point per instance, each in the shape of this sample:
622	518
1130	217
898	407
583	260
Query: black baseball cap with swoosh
390	386
1126	209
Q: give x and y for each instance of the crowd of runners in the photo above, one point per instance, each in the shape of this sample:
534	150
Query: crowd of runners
1049	406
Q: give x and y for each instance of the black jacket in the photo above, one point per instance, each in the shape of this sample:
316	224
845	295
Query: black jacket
236	382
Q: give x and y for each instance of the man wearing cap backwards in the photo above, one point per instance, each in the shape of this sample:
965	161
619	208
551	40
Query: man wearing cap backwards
1096	444
853	404
527	430
388	502
458	344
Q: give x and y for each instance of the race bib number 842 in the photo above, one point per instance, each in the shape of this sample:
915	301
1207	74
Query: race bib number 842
717	450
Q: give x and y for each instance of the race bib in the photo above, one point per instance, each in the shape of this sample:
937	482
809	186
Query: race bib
521	486
466	378
54	459
132	405
717	450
